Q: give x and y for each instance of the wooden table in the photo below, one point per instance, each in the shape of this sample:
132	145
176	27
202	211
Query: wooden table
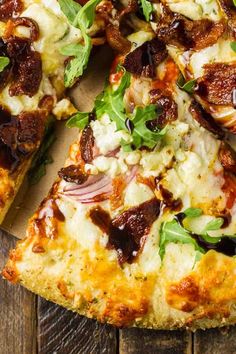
30	325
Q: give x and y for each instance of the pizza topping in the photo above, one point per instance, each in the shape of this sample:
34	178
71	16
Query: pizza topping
175	231
205	119
177	30
169	109
10	8
218	83
116	40
19	136
25	22
227	157
87	144
27	67
73	174
143	60
128	231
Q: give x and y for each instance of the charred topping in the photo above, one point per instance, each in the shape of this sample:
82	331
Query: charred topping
73	174
144	60
20	136
205	119
169	109
218	83
87	144
178	30
227	157
128	231
10	8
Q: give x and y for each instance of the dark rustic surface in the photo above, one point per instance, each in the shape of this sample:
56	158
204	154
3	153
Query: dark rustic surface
30	325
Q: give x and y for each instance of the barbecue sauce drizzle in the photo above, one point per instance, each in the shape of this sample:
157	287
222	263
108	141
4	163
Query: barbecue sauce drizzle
227	244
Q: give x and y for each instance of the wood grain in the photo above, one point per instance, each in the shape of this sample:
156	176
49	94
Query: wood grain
63	332
17	311
135	341
215	341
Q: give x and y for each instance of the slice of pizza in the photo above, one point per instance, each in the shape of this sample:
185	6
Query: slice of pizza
139	229
200	37
37	40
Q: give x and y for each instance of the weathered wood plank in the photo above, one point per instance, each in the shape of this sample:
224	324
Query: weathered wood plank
17	311
217	341
64	332
135	341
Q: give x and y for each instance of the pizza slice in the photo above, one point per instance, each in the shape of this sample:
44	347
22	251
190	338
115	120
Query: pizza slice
139	229
200	37
37	40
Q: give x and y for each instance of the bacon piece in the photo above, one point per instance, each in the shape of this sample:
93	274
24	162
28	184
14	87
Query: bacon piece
144	60
205	119
19	136
115	39
128	231
218	83
10	8
27	67
73	174
178	30
87	144
30	126
227	157
169	109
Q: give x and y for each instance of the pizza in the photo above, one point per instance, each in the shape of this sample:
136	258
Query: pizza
39	45
200	37
139	228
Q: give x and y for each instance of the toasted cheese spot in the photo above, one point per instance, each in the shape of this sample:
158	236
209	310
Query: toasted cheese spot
211	284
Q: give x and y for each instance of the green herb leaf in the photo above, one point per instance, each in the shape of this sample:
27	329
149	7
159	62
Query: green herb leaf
41	158
77	65
172	231
85	16
234	1
233	44
193	212
147	9
81	17
111	102
4	61
214	224
142	136
186	86
70	9
79	120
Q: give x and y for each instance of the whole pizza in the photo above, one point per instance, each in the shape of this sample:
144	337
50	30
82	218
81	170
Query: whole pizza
139	229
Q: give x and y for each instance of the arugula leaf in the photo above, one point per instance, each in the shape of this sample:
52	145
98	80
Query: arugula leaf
77	65
142	136
42	158
172	231
111	102
234	1
233	44
193	212
4	61
79	120
85	16
147	9
214	224
81	17
70	9
186	86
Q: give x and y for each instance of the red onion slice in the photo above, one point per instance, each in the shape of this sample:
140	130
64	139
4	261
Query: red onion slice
91	180
106	181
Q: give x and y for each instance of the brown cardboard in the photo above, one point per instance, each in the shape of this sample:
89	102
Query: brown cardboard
29	198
